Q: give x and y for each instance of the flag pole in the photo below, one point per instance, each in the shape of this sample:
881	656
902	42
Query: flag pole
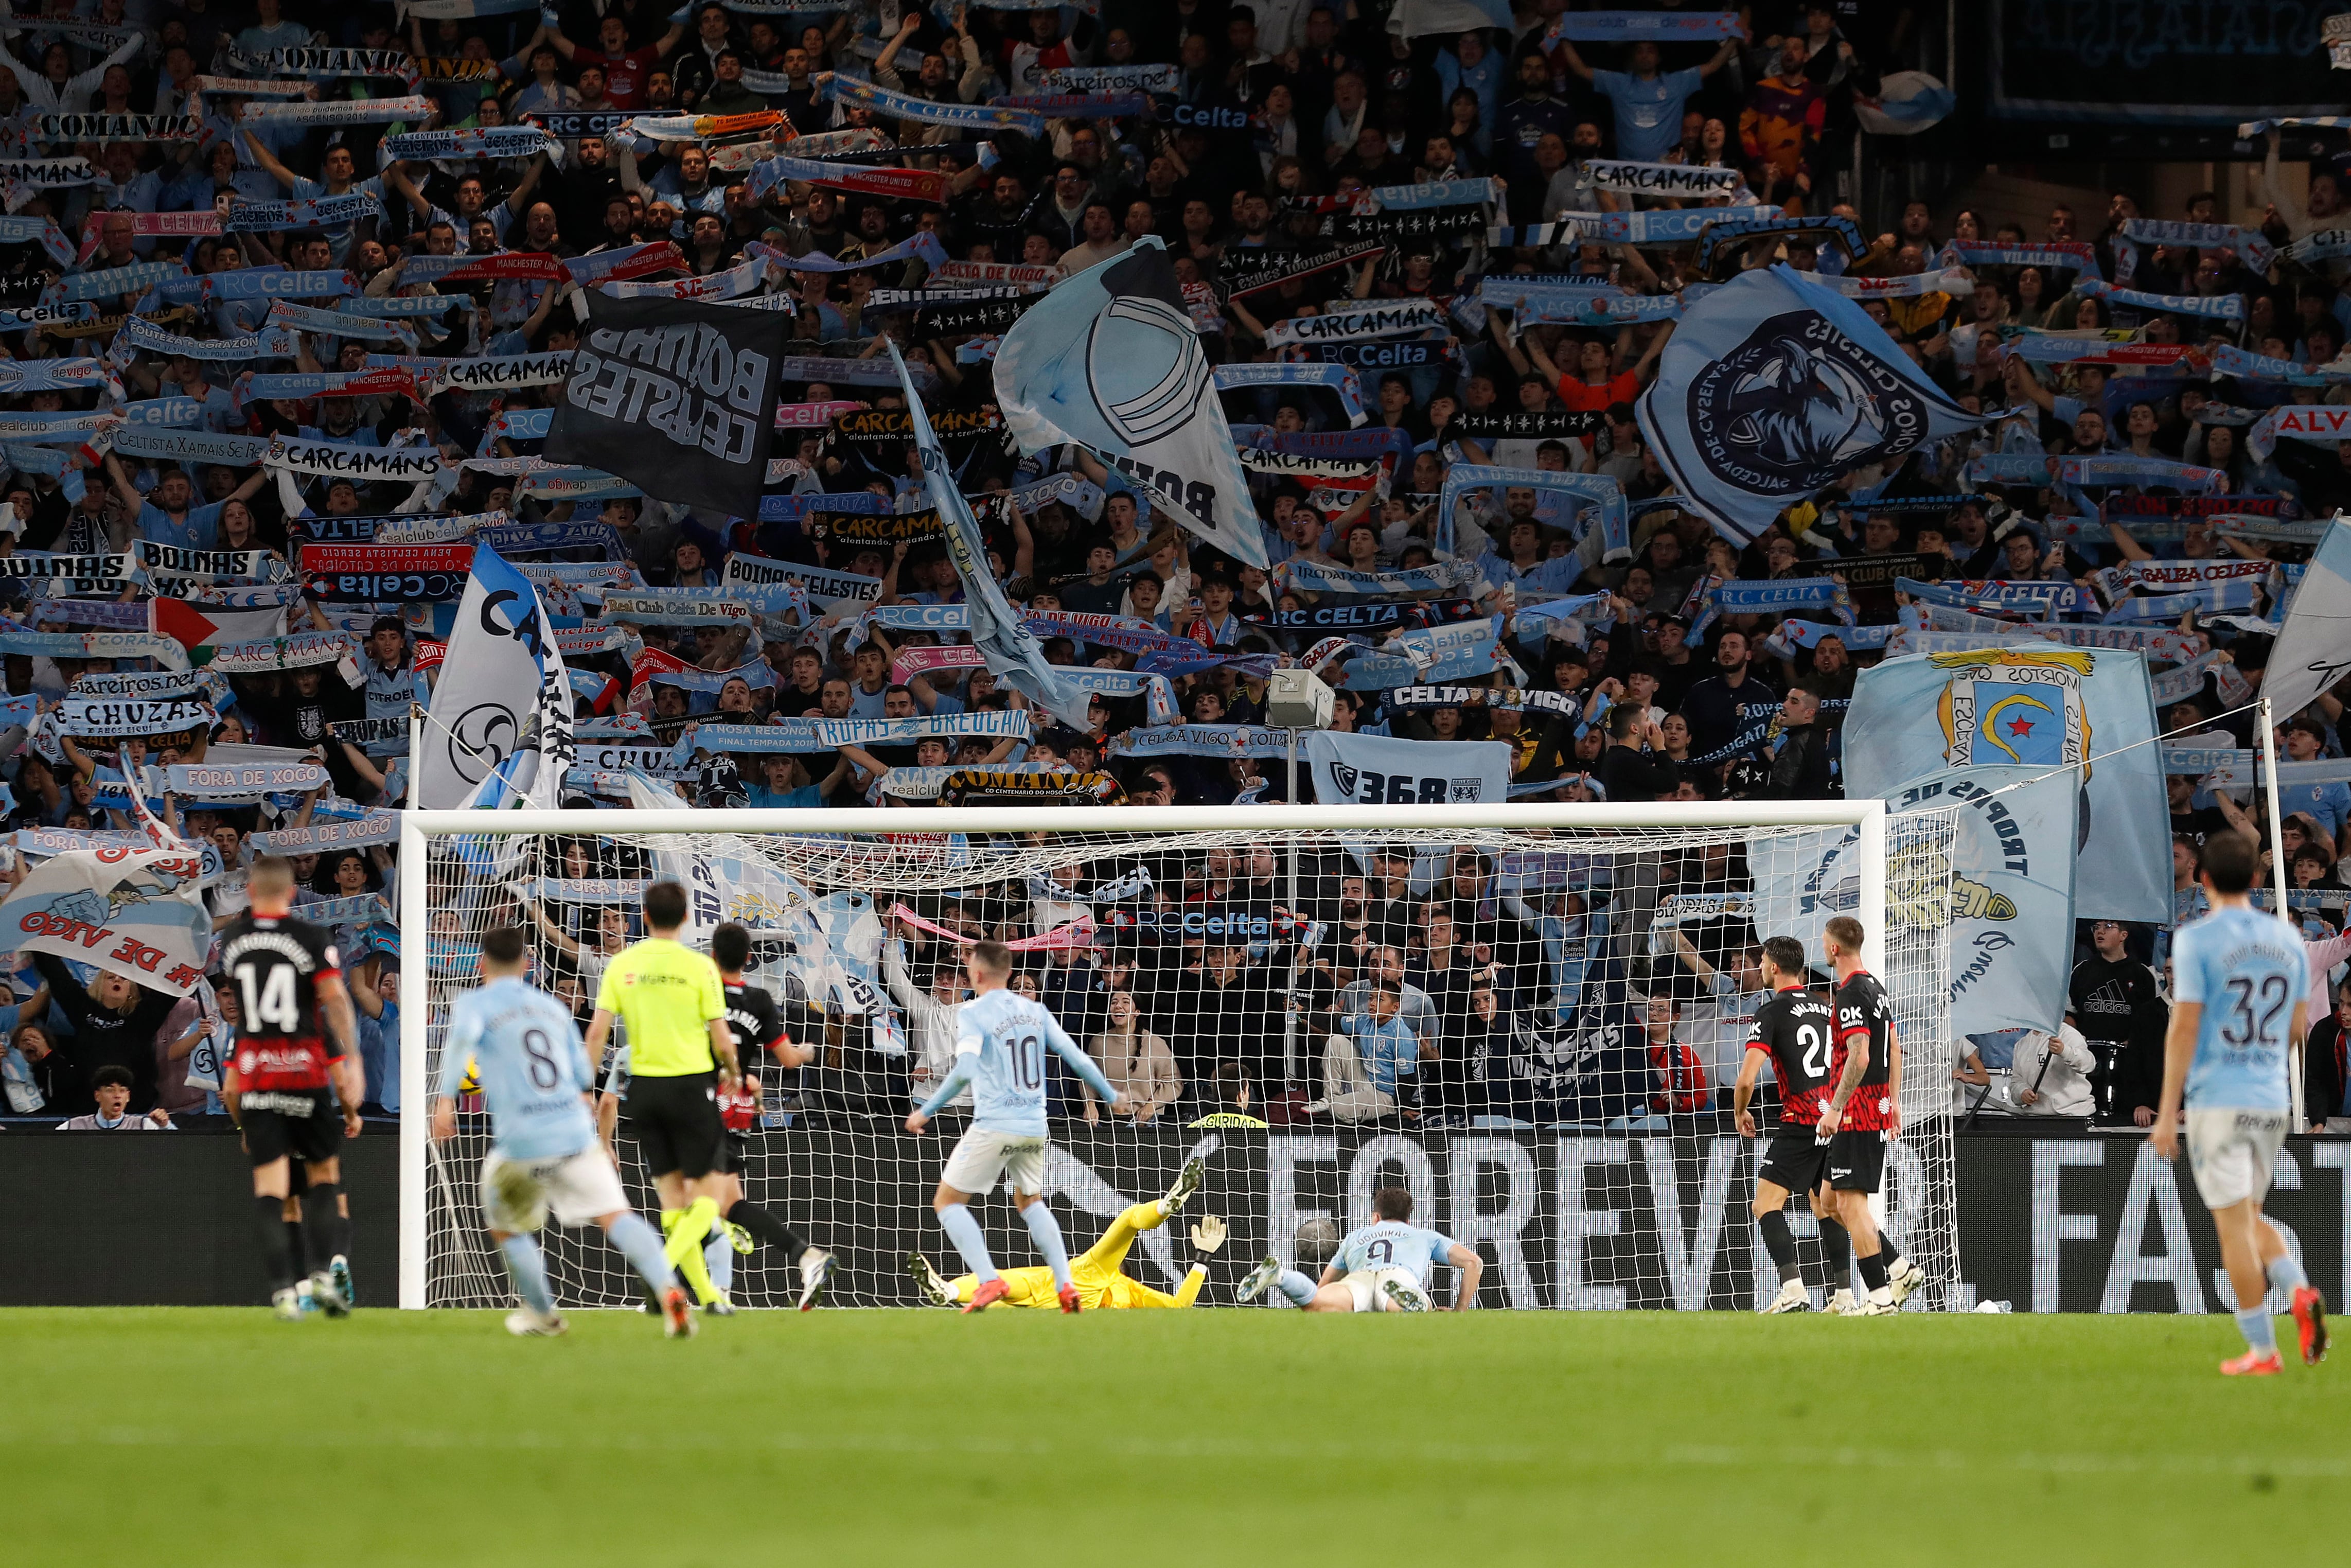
2278	880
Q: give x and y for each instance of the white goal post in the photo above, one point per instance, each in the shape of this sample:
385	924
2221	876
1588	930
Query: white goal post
460	871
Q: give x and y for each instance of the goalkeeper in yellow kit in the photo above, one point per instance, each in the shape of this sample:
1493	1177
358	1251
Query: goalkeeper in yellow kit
1098	1274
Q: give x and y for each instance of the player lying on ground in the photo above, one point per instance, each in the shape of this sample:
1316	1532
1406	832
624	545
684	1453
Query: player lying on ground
1097	1272
297	1055
537	1081
1383	1267
2241	1002
757	1025
1000	1040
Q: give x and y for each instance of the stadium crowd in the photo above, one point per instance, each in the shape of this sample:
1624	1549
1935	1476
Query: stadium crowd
220	257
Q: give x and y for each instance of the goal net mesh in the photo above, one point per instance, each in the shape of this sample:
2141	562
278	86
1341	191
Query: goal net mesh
1575	1002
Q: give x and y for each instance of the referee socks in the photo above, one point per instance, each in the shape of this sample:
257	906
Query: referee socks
687	1235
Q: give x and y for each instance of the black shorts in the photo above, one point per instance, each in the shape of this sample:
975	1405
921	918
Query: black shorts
676	1124
1796	1160
277	1126
1857	1160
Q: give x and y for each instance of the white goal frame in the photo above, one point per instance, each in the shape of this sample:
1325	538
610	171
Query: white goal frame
416	827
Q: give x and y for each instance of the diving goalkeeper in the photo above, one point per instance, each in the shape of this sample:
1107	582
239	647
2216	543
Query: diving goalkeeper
1098	1273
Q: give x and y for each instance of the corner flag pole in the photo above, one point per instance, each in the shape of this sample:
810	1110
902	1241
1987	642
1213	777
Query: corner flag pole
2278	879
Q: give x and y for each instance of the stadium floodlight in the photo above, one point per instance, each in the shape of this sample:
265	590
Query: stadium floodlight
1579	1199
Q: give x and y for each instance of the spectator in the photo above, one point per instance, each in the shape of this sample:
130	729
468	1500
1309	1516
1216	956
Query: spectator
111	1086
2051	1075
2116	1005
1364	1064
1136	1061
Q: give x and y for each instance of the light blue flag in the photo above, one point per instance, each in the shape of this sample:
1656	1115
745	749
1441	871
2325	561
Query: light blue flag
1013	653
1774	388
2033	706
2011	906
2314	650
1110	360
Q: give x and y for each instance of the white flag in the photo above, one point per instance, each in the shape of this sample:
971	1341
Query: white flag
2314	650
492	680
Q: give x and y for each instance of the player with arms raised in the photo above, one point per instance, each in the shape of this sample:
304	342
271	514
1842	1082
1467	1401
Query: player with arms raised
1863	1116
1795	1028
1382	1268
2240	1001
544	1153
285	1077
1000	1040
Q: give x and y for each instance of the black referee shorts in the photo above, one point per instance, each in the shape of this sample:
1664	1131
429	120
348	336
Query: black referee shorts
676	1123
1796	1160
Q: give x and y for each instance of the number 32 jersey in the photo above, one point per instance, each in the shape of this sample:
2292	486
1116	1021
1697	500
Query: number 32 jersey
1011	1034
2247	970
1797	1029
533	1070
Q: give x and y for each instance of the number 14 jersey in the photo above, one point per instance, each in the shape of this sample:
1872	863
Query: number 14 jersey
1011	1034
1797	1029
533	1070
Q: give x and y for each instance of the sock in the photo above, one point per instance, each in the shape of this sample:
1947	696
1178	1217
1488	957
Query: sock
2259	1332
769	1230
1781	1242
276	1248
719	1257
964	1231
1047	1232
2286	1274
643	1248
1296	1286
1872	1270
1838	1248
684	1249
324	1229
528	1267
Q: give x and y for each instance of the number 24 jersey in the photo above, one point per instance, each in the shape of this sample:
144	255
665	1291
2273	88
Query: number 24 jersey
1797	1029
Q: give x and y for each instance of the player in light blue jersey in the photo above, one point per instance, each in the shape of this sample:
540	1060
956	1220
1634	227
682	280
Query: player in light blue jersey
2240	988
1000	1043
1382	1268
537	1082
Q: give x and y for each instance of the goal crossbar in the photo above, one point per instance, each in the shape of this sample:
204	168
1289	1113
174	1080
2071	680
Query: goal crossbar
419	828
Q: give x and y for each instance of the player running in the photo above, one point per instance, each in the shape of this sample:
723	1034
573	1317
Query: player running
1795	1029
544	1154
1862	1115
1098	1271
681	1054
757	1025
1383	1267
1000	1040
2240	1003
285	1077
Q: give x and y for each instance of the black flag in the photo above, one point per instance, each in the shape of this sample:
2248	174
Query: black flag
676	398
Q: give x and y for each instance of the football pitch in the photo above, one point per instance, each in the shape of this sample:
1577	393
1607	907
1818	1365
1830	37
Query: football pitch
206	1436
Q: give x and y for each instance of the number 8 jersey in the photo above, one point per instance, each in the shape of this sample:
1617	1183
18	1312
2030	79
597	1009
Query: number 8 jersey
1011	1034
2247	970
276	965
525	1050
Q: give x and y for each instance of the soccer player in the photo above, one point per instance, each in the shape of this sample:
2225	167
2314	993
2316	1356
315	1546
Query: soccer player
1382	1268
2241	989
681	1054
1794	1029
757	1025
283	1083
544	1153
1098	1271
1000	1040
1862	1115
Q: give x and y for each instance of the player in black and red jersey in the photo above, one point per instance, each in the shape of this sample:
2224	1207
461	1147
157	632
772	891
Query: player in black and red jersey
1863	1116
757	1025
1796	1030
295	1058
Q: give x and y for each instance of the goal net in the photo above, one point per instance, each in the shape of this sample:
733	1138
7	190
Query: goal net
1572	984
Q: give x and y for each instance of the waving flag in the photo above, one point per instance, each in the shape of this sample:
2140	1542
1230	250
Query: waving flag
2086	712
1774	388
501	664
1110	360
2314	650
201	628
1013	653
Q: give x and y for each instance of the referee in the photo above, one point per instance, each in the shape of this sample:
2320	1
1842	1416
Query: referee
680	1052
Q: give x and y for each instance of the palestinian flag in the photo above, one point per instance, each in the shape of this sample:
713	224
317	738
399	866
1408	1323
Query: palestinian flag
201	628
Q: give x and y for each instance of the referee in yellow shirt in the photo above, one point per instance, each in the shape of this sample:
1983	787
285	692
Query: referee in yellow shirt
680	1052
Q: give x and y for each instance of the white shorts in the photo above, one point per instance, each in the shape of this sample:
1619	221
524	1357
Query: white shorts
581	1188
1364	1284
2233	1152
981	1157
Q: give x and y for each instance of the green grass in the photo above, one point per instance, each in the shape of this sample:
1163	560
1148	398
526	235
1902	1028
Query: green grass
150	1437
